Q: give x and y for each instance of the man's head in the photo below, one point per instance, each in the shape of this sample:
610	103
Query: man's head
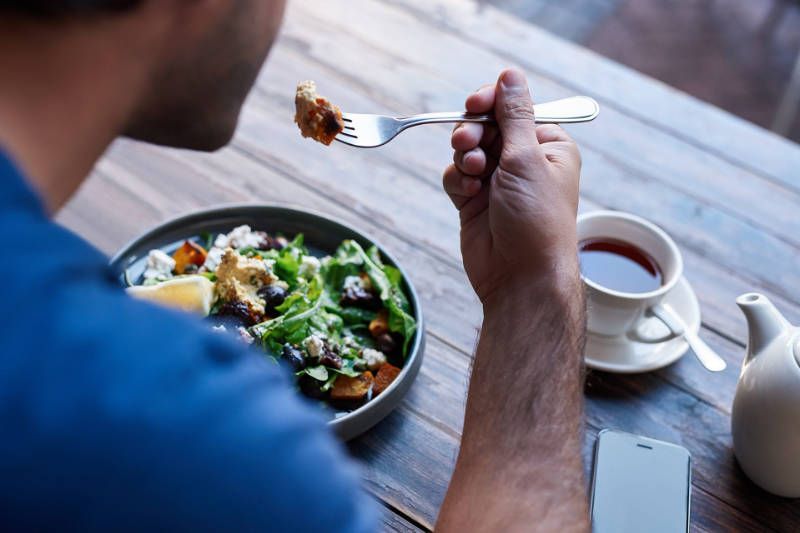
201	62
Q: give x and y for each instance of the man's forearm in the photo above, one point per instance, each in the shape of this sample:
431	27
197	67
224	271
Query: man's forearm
520	461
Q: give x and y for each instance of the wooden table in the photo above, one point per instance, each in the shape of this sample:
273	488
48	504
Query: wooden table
728	192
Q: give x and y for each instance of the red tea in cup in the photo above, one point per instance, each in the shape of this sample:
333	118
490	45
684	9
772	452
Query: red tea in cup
619	266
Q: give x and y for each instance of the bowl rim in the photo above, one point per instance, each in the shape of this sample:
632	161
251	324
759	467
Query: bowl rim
410	365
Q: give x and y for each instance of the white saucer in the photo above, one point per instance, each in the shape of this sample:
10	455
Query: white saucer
627	356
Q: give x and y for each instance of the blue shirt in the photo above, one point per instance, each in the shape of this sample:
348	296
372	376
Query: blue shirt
117	414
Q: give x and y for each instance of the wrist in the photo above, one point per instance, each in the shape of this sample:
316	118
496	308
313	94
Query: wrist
558	284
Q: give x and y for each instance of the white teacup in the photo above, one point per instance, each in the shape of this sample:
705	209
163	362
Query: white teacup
612	313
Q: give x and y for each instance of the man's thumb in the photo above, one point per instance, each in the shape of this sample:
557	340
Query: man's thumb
514	111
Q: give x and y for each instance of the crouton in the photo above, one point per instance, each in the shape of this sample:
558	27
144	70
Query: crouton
386	375
352	389
380	324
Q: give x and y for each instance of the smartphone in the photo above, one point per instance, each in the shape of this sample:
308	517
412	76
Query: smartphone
639	484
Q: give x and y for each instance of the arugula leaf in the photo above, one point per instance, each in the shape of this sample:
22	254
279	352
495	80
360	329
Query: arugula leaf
287	263
347	369
320	373
303	313
208	240
387	282
355	315
329	384
250	251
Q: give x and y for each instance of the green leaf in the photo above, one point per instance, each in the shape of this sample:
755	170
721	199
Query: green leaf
347	369
250	251
207	240
320	373
329	384
287	262
375	255
387	282
356	315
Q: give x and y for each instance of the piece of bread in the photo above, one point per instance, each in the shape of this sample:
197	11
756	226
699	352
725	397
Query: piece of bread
380	324
386	375
351	389
316	116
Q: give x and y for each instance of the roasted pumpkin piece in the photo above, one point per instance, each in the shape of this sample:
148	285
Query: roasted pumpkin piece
188	254
352	389
386	375
380	324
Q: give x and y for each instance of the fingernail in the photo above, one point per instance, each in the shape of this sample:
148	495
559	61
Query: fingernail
513	80
483	90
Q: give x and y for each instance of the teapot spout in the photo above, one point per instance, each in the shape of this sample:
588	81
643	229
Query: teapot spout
765	323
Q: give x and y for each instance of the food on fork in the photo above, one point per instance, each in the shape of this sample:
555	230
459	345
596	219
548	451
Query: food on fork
317	117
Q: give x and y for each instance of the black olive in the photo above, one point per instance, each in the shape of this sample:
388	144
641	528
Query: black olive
385	343
293	357
191	268
239	310
311	387
269	242
330	359
273	296
280	242
358	296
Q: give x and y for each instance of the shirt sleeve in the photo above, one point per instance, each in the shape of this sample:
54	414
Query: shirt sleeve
122	415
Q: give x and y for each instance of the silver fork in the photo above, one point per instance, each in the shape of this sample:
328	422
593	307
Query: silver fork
369	131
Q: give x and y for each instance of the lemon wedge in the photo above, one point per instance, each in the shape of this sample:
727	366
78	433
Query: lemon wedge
194	294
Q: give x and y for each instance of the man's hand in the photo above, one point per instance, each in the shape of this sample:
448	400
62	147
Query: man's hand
516	187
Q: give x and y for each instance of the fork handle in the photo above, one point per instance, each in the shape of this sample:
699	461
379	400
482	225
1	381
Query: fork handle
572	109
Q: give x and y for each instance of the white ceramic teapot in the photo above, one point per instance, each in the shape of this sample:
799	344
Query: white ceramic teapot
766	410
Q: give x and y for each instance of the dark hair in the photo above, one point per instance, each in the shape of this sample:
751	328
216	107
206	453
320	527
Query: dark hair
65	7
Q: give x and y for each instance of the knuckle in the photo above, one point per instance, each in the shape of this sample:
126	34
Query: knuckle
519	108
553	130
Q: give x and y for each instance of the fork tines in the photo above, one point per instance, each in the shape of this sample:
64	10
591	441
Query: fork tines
348	126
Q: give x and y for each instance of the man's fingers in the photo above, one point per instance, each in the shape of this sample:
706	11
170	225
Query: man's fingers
514	114
491	141
472	162
547	133
482	100
466	136
459	186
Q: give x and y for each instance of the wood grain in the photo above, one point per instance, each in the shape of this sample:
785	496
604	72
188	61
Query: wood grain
733	216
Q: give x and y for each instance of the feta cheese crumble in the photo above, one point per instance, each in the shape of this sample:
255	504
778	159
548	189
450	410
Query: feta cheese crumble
352	282
239	237
373	358
245	335
313	345
309	266
159	266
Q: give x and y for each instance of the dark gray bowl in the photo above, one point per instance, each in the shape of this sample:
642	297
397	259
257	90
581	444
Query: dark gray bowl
322	234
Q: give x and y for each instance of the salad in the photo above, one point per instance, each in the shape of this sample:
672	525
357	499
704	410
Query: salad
341	323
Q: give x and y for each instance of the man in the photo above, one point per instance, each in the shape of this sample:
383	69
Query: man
112	420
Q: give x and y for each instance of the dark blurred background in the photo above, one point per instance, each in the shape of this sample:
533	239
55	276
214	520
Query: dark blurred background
740	55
